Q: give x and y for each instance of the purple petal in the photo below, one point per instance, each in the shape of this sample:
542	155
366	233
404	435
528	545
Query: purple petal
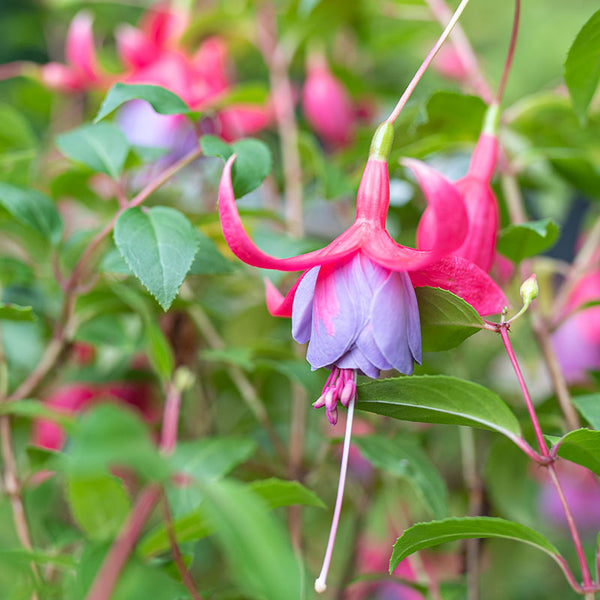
338	312
389	320
303	306
355	359
368	346
413	322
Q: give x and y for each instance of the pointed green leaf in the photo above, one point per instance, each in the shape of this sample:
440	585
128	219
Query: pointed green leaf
33	209
278	492
588	406
160	99
252	165
433	533
102	147
446	319
438	399
403	458
581	446
527	239
159	246
582	67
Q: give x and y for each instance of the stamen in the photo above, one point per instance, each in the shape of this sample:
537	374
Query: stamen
321	581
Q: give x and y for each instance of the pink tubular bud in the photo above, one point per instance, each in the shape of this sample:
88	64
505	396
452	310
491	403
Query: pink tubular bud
79	47
135	49
327	105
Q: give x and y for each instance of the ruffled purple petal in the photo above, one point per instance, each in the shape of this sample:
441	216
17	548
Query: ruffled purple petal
355	359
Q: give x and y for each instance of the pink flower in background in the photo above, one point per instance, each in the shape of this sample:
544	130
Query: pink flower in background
355	304
326	104
82	71
74	397
153	54
577	340
449	64
479	245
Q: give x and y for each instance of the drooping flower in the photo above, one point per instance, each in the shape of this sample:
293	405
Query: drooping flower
326	104
355	303
479	245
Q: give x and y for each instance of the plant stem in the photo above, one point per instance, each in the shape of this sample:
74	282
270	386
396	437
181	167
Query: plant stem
464	51
116	558
511	52
425	64
186	576
514	202
168	437
585	570
530	408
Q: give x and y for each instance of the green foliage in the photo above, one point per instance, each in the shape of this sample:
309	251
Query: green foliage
102	147
403	458
527	239
589	407
426	535
582	67
446	319
14	312
163	101
438	399
159	246
252	165
581	446
33	209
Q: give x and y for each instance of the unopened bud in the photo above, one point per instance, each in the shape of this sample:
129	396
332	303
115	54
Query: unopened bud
183	379
529	290
348	392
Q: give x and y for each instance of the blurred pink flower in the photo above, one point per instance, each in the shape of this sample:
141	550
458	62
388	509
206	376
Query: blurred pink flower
72	398
577	340
327	105
448	64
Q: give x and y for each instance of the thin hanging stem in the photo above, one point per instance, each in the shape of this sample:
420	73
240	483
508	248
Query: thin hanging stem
511	52
530	408
425	65
321	581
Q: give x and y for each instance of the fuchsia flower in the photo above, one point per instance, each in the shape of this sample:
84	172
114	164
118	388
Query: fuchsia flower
355	304
153	54
479	245
326	104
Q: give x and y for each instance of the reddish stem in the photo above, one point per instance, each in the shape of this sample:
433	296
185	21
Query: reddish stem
168	437
119	552
511	52
585	570
532	415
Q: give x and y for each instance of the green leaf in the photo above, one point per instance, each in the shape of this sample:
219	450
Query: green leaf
581	446
208	260
102	147
278	492
33	209
255	544
159	351
160	99
446	319
98	504
582	67
109	435
199	523
252	165
433	533
588	406
438	399
18	146
159	246
403	458
527	239
14	312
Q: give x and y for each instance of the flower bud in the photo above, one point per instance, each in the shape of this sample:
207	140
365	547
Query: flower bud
327	105
529	290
